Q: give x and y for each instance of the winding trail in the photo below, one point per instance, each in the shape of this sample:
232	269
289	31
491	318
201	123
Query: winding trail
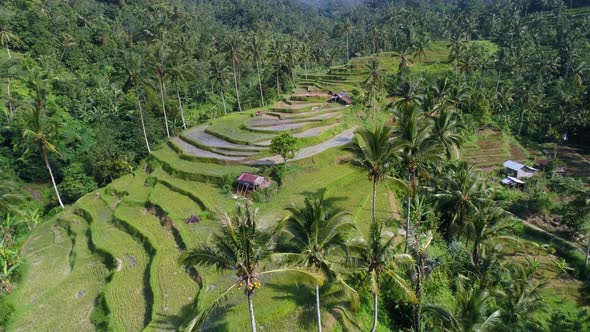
338	140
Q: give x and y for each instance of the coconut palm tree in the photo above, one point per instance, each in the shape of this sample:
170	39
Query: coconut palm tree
460	196
132	76
314	235
417	149
377	255
257	50
6	37
232	49
420	46
39	126
347	28
521	297
446	131
292	57
474	311
419	252
160	63
218	75
242	248
374	152
374	79
484	226
276	54
180	70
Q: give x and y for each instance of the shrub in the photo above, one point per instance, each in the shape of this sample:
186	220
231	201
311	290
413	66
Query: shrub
75	183
264	195
6	311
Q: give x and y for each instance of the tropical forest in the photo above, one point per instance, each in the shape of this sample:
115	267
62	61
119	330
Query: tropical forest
295	165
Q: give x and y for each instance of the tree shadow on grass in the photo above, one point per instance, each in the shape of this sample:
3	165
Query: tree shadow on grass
304	297
329	201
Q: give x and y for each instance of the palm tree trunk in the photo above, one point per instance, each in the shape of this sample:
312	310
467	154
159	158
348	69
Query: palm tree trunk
317	306
587	253
374	99
278	84
347	50
251	309
374	210
417	306
407	216
223	99
181	109
147	143
236	86
305	69
10	109
521	121
375	312
260	83
164	105
44	152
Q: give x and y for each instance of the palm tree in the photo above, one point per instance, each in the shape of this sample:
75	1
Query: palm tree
232	51
374	79
484	226
377	254
374	152
347	28
461	195
420	46
257	50
404	61
242	248
292	57
418	148
218	74
521	297
133	78
419	252
39	126
179	71
472	313
445	129
314	233
276	54
304	55
5	38
160	62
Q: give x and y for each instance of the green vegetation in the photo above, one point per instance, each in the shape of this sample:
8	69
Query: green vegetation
163	105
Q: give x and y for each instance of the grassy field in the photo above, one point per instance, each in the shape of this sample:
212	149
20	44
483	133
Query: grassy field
125	294
63	278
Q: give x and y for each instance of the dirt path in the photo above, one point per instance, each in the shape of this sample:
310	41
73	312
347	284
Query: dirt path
338	140
553	236
393	205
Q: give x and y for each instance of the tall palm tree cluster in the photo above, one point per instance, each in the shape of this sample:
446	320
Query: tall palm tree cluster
447	204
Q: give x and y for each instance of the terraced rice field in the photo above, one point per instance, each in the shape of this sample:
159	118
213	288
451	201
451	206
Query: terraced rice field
115	252
490	149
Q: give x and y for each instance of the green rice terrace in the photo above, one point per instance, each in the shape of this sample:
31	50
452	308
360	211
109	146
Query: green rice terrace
111	260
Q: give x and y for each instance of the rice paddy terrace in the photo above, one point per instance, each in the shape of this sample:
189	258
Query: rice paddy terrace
111	260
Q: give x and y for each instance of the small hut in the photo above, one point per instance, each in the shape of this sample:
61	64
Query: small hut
341	98
249	181
518	170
